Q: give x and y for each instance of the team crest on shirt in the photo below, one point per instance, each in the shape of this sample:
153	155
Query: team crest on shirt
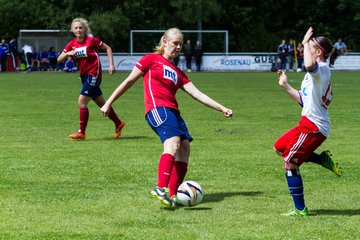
170	74
80	52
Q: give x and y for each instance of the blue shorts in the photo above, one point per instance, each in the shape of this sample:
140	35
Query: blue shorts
91	86
167	123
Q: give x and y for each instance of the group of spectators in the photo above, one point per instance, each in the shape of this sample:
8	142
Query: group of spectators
191	52
286	56
8	49
290	57
44	60
29	59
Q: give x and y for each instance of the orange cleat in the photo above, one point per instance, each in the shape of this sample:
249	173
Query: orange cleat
78	136
118	129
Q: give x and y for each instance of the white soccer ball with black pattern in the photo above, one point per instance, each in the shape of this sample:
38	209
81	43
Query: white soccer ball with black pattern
189	193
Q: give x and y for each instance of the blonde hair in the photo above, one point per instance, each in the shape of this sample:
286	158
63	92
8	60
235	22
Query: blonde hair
159	49
85	24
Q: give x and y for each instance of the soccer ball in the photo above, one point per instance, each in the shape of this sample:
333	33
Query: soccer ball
189	193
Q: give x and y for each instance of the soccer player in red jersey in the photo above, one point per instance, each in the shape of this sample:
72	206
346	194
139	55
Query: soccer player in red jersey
298	145
161	79
85	50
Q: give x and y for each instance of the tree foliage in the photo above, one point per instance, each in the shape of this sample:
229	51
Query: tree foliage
252	25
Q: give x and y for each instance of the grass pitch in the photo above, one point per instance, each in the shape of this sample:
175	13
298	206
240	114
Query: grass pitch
54	188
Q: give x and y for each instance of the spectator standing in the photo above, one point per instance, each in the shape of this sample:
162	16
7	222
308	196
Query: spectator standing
300	57
291	54
177	60
44	58
188	52
340	45
4	53
198	54
282	51
13	51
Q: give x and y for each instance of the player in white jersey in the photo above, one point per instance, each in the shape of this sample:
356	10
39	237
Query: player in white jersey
298	145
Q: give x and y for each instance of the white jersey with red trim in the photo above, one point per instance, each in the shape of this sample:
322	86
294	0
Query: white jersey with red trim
316	95
161	81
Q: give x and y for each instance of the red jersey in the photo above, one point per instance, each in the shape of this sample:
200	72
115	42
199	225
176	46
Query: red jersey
87	55
161	81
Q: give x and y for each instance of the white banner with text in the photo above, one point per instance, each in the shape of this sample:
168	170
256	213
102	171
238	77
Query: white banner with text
238	62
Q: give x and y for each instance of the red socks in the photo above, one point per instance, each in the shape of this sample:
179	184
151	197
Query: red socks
114	117
166	163
177	176
84	117
171	173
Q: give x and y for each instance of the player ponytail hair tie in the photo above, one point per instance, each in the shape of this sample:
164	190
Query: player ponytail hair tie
318	44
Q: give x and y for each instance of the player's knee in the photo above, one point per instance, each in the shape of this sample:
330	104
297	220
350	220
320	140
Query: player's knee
185	146
172	145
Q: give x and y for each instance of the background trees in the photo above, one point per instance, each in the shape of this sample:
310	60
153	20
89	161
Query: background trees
252	25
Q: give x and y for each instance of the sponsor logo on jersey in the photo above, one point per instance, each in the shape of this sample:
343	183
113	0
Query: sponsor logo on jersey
170	74
80	52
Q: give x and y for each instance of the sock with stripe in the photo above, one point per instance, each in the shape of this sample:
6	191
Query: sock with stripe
177	176
84	117
166	163
296	188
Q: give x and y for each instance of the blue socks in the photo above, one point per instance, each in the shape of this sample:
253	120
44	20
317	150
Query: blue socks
296	188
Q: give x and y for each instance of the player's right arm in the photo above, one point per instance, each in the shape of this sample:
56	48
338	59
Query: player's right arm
63	56
121	89
292	92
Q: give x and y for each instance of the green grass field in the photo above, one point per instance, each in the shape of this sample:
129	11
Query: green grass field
54	188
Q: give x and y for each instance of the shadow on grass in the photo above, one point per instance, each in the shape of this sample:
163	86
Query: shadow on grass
218	197
194	208
113	139
215	197
344	212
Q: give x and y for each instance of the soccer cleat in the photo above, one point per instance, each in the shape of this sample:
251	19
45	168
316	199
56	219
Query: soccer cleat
328	163
118	129
78	136
162	195
296	213
176	202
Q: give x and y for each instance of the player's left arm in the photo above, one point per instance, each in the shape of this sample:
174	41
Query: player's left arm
309	60
109	53
195	93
